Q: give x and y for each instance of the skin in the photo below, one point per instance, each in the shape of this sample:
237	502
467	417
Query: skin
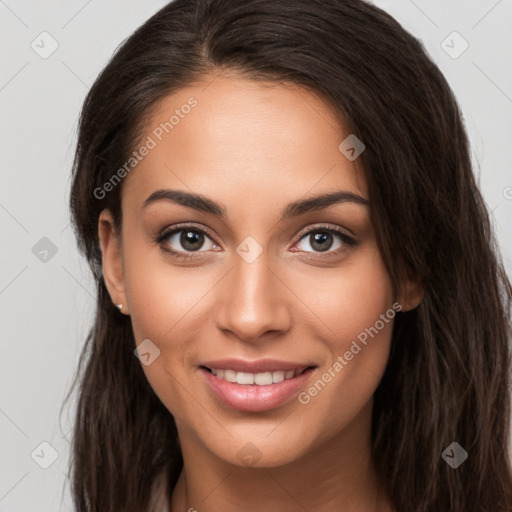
254	148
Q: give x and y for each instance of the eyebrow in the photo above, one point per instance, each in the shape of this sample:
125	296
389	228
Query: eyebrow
294	209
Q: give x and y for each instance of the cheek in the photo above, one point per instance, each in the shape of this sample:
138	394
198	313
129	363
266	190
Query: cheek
162	310
168	305
352	299
358	309
163	299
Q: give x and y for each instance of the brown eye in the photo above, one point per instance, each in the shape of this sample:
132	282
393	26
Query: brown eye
322	240
191	240
185	239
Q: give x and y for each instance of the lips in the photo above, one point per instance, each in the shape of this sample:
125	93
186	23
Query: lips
255	386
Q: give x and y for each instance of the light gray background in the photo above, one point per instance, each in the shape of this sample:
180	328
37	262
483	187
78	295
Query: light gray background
46	307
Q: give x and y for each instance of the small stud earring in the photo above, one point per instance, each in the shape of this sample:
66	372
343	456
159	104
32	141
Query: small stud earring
119	306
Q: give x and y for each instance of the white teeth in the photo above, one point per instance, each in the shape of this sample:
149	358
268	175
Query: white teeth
245	378
260	379
230	375
277	377
263	379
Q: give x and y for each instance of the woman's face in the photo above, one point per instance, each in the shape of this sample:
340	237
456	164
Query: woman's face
261	285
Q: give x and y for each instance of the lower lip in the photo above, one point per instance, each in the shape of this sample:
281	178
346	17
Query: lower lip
254	398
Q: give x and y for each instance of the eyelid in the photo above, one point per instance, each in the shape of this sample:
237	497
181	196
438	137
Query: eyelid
325	227
169	230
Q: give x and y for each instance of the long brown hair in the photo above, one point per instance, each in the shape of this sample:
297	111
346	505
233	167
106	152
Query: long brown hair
448	375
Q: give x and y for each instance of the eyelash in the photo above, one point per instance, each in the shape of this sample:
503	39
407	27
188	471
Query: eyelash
166	233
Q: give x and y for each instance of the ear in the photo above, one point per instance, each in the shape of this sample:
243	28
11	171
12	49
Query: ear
411	293
111	258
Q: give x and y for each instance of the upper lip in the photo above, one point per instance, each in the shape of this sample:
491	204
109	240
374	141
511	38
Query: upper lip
257	366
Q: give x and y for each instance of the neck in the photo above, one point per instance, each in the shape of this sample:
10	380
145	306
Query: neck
335	475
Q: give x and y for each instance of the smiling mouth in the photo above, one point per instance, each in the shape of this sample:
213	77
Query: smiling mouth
256	379
255	386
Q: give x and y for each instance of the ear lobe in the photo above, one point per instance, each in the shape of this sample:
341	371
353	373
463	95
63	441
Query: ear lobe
111	258
411	293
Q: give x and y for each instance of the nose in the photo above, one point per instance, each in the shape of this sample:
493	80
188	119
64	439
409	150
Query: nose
252	303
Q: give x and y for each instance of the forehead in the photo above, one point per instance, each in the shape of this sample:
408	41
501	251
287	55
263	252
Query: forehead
230	135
